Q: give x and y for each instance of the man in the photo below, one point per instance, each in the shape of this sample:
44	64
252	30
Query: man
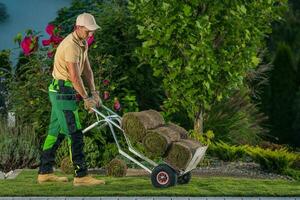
70	64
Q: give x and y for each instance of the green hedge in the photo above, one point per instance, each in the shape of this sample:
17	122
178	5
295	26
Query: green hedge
278	161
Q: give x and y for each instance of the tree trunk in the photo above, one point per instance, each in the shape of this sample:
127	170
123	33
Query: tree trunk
198	123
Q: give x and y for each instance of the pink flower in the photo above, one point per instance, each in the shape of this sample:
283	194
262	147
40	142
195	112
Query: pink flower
117	105
46	42
50	29
29	44
106	82
55	39
90	40
50	54
106	95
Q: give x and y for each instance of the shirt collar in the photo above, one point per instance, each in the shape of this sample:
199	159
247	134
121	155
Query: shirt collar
80	42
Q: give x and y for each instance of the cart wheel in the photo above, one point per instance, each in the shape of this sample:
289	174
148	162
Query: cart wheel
163	176
185	178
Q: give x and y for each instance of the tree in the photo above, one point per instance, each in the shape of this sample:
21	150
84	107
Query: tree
283	86
3	13
295	139
202	49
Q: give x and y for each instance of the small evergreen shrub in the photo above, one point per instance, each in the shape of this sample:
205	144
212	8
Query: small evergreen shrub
227	152
18	148
273	161
91	150
116	168
66	165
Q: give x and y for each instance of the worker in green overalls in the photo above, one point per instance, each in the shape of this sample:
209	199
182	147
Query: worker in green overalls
71	65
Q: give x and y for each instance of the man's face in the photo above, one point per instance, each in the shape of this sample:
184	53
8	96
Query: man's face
84	32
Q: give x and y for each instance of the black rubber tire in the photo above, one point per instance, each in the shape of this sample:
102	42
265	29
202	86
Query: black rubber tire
185	178
163	176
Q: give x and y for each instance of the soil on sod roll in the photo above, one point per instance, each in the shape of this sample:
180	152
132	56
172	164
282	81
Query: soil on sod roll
136	124
157	141
181	153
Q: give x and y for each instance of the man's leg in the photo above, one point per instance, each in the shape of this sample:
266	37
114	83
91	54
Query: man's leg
71	120
51	144
70	123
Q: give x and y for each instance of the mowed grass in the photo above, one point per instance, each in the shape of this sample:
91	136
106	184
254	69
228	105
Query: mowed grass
26	185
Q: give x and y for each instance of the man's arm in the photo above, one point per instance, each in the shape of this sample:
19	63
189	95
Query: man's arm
88	75
76	79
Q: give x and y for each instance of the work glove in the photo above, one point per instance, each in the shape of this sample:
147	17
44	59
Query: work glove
96	97
89	103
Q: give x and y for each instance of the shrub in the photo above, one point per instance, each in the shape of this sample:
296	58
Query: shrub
5	72
274	161
226	152
28	93
66	165
283	88
91	150
236	120
18	147
295	174
110	151
296	164
116	168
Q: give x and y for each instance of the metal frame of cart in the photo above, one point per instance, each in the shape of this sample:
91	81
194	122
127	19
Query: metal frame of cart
162	174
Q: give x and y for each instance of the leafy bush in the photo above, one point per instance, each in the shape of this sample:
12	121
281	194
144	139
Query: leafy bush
296	164
273	161
91	150
5	72
110	151
18	147
66	165
278	160
295	174
116	168
227	152
28	93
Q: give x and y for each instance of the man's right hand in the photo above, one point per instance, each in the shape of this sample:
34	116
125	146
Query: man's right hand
89	103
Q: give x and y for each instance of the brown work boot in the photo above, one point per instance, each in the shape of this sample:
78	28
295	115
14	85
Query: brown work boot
42	178
87	181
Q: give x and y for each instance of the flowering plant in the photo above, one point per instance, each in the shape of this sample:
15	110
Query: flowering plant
54	40
28	43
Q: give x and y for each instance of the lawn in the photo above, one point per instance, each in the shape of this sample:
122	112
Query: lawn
25	185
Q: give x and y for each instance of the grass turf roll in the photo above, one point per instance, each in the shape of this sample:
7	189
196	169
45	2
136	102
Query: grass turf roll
136	124
183	133
181	153
157	141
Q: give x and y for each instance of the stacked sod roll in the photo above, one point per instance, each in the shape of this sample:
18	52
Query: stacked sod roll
165	140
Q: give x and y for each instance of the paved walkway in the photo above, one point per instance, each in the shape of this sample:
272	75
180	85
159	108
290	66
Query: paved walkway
149	198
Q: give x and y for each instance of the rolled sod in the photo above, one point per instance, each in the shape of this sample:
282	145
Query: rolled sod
183	133
157	141
136	124
181	153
